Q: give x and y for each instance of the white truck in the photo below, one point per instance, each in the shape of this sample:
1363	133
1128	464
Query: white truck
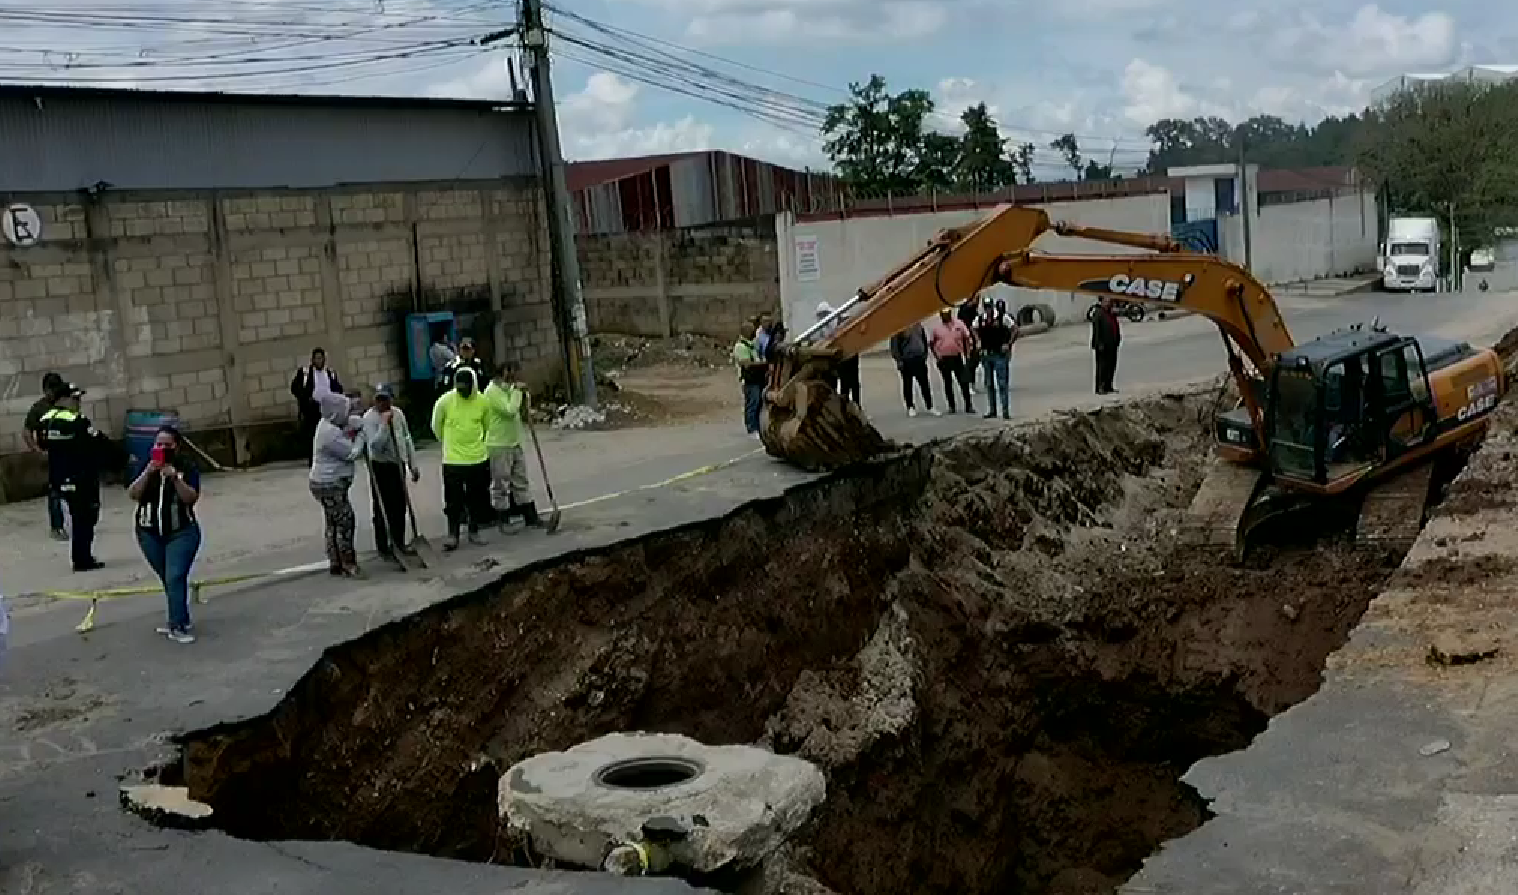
1410	255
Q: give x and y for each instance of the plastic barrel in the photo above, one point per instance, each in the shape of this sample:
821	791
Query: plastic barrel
141	430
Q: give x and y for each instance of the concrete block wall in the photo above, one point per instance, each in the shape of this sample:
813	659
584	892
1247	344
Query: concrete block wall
663	283
1299	241
205	303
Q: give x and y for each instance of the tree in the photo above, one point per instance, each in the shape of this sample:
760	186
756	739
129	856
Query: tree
983	164
938	160
1450	149
1022	161
876	139
1068	147
1269	141
1094	171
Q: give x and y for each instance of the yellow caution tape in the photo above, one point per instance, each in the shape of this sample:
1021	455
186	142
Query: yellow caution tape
699	471
197	588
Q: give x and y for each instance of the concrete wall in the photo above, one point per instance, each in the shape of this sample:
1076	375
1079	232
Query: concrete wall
1306	240
205	303
856	251
663	283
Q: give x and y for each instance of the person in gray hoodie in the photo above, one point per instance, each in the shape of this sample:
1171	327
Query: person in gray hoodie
909	348
335	448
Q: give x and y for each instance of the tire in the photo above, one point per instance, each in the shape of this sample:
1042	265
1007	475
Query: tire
1091	312
1134	312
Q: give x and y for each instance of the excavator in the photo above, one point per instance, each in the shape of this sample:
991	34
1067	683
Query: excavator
1349	416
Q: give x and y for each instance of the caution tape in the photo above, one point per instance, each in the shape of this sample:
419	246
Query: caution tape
198	588
700	471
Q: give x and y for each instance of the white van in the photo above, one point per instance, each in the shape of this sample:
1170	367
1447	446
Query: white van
1410	255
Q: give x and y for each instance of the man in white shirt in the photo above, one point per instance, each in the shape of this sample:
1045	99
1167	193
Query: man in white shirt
309	385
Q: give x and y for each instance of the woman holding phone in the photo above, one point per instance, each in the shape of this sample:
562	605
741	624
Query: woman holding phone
166	492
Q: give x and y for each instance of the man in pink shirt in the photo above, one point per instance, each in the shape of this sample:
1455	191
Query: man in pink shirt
950	343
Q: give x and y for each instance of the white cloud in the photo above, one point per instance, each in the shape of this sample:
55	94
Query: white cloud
1151	92
1371	42
809	22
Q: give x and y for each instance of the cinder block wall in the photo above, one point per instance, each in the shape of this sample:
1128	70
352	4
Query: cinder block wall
205	303
664	283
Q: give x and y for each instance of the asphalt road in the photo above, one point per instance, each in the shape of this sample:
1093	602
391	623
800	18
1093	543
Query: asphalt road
78	713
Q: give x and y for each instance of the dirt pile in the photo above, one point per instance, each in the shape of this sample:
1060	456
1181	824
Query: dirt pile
614	354
989	645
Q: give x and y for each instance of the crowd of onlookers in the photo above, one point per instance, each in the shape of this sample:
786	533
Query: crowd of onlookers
476	416
968	343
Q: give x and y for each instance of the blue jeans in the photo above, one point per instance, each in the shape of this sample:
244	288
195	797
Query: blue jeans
171	558
54	511
753	402
998	369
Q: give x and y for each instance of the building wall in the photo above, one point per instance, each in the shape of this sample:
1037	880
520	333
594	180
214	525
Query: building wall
663	283
853	252
1306	240
206	302
67	139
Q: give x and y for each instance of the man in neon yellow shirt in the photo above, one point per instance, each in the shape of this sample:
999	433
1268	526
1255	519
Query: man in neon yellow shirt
459	422
510	492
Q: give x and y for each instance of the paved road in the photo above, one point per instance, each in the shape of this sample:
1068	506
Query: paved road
78	712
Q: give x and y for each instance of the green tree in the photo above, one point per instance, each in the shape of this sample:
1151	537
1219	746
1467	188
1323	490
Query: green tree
1450	149
983	164
937	162
876	139
1070	148
1022	161
1096	171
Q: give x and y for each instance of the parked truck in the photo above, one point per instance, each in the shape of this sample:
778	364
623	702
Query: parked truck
1410	255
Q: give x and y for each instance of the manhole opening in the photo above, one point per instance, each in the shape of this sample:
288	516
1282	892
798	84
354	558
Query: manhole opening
648	773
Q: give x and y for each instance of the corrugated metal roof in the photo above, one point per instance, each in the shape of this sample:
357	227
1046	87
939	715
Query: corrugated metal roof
59	91
580	175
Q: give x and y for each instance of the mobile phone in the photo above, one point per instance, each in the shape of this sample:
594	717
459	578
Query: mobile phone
158	455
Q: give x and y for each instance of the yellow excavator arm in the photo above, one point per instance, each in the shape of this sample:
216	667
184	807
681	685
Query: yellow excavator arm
811	425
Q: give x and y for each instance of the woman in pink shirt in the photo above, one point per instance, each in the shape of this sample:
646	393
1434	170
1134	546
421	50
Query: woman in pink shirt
950	343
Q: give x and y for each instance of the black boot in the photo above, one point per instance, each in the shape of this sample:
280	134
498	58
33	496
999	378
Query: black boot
451	543
530	515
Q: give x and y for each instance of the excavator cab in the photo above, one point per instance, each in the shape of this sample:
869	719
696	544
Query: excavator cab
1344	404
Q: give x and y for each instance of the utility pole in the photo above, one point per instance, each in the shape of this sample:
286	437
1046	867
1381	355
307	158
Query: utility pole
566	261
1244	206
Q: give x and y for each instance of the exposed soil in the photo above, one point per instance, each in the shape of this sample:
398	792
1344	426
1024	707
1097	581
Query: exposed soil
615	354
991	646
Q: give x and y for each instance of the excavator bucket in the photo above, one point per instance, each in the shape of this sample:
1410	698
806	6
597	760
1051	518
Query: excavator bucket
809	423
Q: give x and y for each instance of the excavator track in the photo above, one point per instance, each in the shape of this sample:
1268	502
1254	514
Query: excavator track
1392	512
1213	519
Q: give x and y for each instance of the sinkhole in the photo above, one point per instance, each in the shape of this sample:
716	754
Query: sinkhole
991	645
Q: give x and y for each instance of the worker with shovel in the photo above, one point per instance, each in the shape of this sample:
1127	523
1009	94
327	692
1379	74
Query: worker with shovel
510	492
391	453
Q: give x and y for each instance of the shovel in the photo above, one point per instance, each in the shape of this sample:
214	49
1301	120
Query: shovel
396	535
551	521
422	551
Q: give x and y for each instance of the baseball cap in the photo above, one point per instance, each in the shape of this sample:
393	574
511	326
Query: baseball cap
383	390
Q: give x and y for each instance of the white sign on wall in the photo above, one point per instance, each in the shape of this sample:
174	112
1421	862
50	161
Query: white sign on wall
22	225
808	259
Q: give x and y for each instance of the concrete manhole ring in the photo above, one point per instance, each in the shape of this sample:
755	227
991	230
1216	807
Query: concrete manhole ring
732	804
651	772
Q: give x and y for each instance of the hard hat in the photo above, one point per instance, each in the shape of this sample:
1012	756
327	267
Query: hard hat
824	309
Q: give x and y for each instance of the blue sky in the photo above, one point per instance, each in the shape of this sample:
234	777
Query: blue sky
1100	68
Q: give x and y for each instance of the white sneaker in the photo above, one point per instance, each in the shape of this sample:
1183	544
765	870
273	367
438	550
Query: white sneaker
936	412
912	411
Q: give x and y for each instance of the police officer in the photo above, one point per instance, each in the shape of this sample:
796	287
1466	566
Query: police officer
466	358
74	454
